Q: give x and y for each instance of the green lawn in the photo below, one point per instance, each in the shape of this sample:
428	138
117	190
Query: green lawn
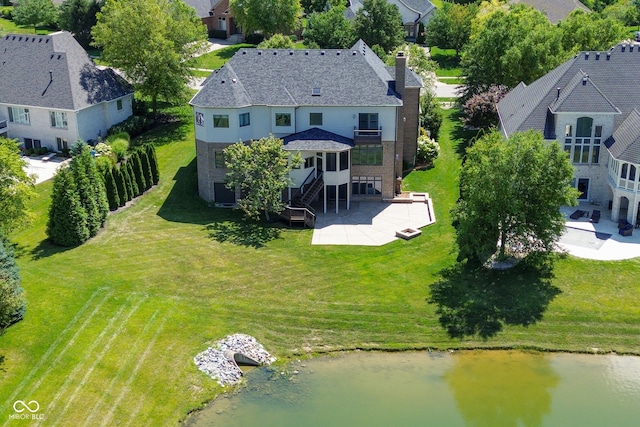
448	62
216	59
7	26
112	326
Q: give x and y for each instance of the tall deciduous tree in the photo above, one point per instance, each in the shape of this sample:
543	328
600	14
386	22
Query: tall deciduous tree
379	23
150	41
510	46
260	170
450	27
329	30
268	16
78	17
16	188
12	302
590	31
34	13
510	196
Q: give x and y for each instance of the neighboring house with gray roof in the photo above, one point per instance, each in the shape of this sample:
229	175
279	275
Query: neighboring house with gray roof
52	94
554	10
591	106
353	119
413	13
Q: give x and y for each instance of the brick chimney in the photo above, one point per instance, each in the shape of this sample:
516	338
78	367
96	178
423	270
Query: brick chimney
401	66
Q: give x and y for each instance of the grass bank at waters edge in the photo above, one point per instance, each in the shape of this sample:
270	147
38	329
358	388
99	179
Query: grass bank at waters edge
112	326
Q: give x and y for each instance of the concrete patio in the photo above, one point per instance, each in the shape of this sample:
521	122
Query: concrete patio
600	241
371	223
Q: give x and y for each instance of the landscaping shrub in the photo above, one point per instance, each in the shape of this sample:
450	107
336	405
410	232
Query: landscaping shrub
153	162
102	149
112	190
428	149
146	169
67	224
254	38
134	126
91	189
135	190
12	301
480	110
136	164
121	186
119	147
217	34
126	177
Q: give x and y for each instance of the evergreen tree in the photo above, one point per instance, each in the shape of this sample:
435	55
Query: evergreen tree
12	302
146	169
121	186
67	225
112	190
136	164
91	189
126	177
134	181
153	162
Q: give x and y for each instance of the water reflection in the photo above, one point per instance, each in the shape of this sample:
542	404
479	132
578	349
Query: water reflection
502	388
488	388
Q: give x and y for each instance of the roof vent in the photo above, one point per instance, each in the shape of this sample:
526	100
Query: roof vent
244	52
221	81
306	52
353	53
322	52
290	52
630	48
624	46
584	80
259	52
597	56
234	80
275	52
608	56
586	56
558	95
338	53
315	91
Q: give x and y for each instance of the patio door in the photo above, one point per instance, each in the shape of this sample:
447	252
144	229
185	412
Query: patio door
583	188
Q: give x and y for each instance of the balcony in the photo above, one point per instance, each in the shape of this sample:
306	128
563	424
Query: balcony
3	125
367	136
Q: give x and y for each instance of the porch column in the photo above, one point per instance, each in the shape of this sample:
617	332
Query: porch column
337	197
324	198
348	196
615	207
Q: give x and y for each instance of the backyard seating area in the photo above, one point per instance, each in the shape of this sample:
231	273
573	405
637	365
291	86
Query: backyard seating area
625	228
579	214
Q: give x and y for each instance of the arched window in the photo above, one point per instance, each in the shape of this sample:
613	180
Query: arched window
584	126
623	174
632	173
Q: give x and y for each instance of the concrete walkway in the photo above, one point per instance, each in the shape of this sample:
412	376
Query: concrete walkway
371	223
43	170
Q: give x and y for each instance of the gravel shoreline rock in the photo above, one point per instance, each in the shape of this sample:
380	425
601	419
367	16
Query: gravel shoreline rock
214	363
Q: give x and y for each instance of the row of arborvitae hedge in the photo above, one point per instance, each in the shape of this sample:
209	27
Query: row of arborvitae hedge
84	192
12	302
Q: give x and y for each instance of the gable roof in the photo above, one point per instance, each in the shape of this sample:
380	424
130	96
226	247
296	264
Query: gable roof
624	144
53	71
287	78
554	10
202	7
613	86
420	7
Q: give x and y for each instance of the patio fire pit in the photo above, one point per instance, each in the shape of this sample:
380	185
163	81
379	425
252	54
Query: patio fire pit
408	233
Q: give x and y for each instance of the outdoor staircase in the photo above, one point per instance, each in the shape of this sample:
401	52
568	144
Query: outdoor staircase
311	192
300	209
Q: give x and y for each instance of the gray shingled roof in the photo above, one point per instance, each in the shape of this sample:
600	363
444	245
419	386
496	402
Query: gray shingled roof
53	71
283	77
571	99
202	7
316	139
614	73
555	10
422	7
624	144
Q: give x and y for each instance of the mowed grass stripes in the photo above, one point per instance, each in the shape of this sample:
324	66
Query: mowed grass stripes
112	326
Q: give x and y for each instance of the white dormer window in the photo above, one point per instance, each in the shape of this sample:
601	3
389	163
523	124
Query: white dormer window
58	119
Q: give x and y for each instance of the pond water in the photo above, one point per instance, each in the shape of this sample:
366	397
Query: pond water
483	388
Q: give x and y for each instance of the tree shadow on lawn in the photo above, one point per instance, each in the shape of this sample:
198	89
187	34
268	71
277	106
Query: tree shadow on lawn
475	300
244	232
45	249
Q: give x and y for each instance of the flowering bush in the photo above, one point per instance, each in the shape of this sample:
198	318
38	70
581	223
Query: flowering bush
428	150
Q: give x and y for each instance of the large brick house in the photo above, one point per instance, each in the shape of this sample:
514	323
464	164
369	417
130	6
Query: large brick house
353	119
52	94
413	12
591	106
215	14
